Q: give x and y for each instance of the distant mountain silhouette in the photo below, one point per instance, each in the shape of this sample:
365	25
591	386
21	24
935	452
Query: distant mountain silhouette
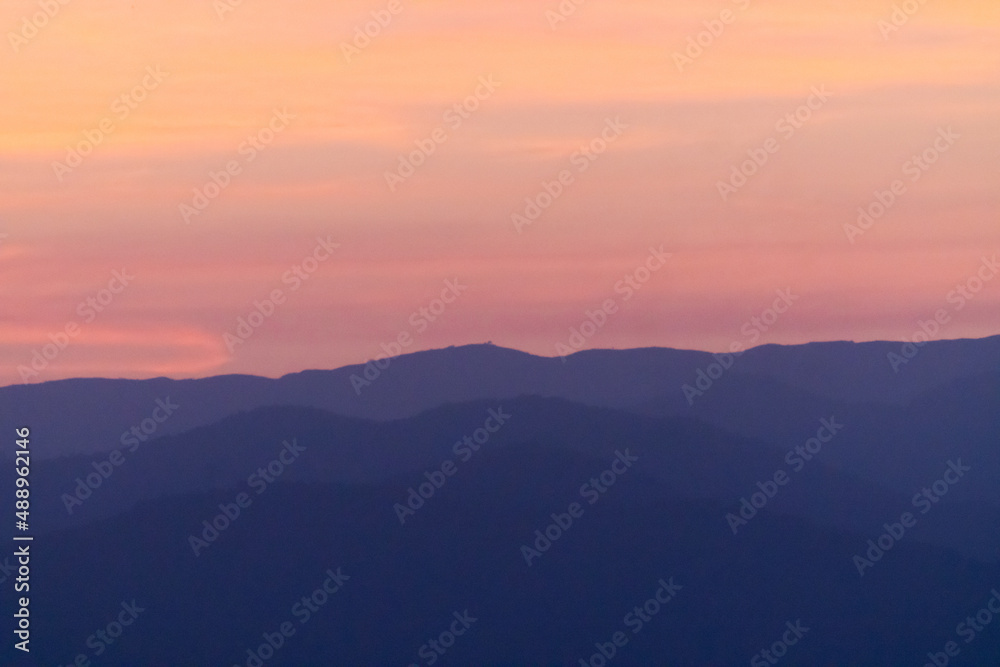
90	415
445	491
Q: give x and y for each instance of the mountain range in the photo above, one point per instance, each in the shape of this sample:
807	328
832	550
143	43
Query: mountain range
547	498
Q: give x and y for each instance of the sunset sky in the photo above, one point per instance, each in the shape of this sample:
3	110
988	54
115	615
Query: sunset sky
199	79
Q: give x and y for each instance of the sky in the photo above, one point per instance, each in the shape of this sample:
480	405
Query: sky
546	176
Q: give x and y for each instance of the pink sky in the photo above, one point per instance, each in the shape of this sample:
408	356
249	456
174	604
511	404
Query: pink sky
683	129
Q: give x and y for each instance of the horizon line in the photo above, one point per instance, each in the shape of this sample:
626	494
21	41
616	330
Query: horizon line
490	344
